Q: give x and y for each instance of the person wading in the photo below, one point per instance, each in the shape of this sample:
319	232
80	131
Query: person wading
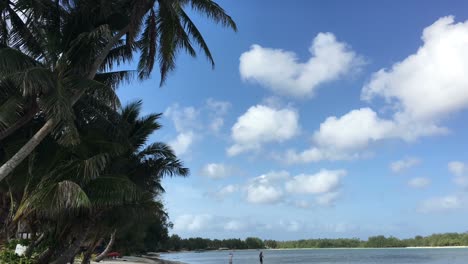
261	257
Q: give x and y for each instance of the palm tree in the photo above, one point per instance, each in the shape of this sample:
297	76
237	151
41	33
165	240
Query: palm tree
80	191
62	47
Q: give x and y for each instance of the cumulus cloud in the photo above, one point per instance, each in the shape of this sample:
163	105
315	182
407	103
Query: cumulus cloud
263	124
421	91
404	164
432	82
266	188
302	191
216	170
182	142
324	181
419	182
441	204
281	71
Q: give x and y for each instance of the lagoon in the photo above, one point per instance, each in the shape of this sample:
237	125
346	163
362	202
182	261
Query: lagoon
328	256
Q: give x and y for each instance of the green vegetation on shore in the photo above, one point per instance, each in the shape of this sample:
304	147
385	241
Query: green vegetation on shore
436	240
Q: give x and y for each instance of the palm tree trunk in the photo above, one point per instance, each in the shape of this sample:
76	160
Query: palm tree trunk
108	247
87	255
72	250
44	257
14	161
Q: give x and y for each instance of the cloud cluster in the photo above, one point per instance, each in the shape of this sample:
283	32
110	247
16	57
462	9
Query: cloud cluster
216	170
190	122
421	90
263	124
279	186
281	72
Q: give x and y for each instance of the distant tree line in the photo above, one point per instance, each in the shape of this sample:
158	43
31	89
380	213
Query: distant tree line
175	243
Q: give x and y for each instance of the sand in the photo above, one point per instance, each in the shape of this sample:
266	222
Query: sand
137	260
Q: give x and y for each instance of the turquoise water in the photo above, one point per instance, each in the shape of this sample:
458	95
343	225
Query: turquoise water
325	256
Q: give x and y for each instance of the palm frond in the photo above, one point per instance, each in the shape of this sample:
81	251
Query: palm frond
13	60
52	199
111	191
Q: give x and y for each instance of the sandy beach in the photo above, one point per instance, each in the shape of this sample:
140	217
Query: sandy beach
137	260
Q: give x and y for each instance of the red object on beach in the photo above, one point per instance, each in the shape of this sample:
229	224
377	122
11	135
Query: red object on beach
113	255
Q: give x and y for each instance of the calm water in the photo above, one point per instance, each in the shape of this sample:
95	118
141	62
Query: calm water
341	256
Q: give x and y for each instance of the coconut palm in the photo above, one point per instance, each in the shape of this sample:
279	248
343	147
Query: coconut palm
61	48
79	192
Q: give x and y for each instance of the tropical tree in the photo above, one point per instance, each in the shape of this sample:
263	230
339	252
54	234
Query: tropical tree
53	52
74	196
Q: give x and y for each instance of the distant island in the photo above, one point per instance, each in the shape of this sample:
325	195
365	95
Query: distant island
176	243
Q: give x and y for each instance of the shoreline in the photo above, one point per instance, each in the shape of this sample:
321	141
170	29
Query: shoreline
138	260
428	247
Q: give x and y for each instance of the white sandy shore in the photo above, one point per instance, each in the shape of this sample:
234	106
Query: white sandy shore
137	260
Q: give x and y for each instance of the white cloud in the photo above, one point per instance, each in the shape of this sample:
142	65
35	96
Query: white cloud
324	181
272	177
441	204
458	168
184	118
404	164
419	182
235	225
263	124
189	222
353	130
281	71
182	142
421	91
226	190
265	188
216	170
460	171
263	194
220	107
190	122
327	199
217	111
431	83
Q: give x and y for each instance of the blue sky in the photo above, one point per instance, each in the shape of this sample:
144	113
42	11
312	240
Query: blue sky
320	119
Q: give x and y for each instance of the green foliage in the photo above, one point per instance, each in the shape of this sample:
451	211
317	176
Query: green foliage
8	256
436	240
254	243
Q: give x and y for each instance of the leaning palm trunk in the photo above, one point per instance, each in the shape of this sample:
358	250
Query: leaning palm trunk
108	247
89	252
49	126
70	253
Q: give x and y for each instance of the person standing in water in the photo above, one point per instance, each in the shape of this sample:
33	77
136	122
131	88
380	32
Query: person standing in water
230	257
261	257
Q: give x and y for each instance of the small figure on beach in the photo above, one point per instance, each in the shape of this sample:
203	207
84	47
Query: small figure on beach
230	257
261	257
